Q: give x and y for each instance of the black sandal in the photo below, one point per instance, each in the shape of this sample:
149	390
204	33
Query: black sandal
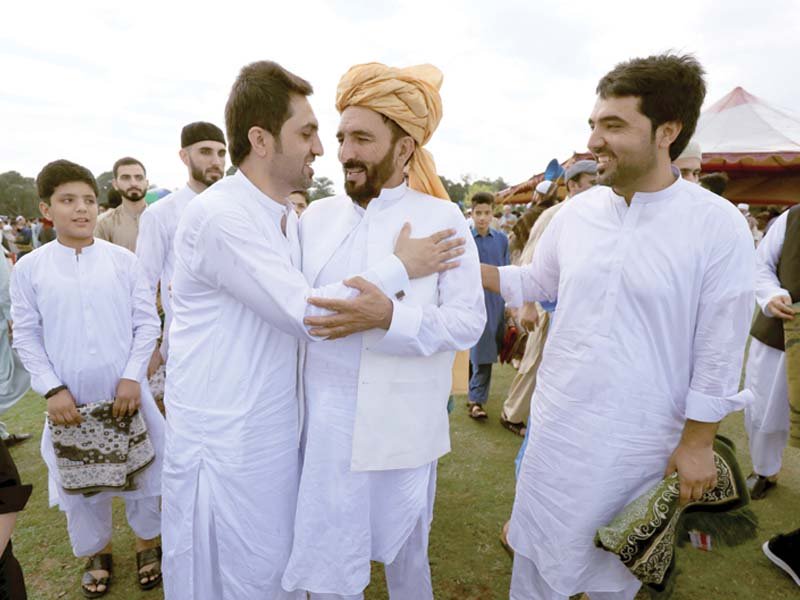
517	428
98	562
146	558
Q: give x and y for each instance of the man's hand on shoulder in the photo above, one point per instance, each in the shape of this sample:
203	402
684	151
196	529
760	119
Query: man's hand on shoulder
433	254
371	309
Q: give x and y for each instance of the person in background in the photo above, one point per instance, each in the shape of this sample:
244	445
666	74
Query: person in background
299	200
493	249
121	225
690	162
23	237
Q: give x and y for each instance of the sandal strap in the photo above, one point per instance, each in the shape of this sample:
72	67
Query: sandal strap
89	579
151	556
99	562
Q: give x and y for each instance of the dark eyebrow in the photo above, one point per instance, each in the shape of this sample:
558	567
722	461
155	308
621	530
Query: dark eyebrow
312	126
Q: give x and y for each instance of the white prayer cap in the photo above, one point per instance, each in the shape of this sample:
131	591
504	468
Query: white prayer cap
543	186
692	150
743	207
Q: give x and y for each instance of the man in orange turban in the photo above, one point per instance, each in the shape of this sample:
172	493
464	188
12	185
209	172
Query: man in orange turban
376	403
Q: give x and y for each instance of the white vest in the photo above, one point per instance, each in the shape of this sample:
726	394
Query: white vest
401	411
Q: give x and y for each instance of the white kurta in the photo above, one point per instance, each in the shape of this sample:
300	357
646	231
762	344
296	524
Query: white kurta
767	417
231	469
154	248
86	321
654	303
346	518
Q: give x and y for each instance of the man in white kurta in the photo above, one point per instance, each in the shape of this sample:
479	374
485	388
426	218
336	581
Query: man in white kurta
203	152
767	418
85	320
377	403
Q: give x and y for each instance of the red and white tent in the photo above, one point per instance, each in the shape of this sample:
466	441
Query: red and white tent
757	144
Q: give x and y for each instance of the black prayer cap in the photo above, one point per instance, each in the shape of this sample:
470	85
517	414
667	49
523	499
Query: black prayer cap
201	131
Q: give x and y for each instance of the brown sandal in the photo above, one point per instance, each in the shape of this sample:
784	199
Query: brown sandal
146	558
98	562
476	411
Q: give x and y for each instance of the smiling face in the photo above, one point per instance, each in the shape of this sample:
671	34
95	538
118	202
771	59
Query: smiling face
73	211
296	148
372	156
622	141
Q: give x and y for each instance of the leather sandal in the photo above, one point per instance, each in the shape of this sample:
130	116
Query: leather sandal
98	562
476	411
146	558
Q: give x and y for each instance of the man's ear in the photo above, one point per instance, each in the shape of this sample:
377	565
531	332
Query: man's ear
262	142
405	148
667	132
44	208
184	154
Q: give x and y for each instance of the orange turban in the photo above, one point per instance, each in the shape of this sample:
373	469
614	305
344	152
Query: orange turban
410	98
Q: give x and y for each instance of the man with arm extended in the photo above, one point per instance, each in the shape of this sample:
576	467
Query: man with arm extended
653	277
239	300
377	402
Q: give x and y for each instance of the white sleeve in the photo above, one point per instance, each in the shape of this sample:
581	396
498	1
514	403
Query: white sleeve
455	323
260	278
28	340
537	281
146	325
767	257
723	321
151	249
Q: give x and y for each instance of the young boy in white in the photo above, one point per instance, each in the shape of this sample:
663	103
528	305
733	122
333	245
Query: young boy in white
85	326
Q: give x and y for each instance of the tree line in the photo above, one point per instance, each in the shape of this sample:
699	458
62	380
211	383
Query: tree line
18	193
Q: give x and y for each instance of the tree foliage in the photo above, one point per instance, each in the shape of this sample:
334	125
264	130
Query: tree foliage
461	191
18	195
322	187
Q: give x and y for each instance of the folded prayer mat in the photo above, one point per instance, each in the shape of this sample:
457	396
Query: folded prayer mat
791	332
103	453
645	532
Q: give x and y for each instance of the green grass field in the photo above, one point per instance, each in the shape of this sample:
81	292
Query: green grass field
475	492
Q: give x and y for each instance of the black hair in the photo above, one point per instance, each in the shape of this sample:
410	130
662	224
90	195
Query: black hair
59	172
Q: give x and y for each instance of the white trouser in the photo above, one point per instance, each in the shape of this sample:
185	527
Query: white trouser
528	584
766	451
89	523
408	576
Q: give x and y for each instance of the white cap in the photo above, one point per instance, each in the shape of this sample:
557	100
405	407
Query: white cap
544	186
743	207
692	150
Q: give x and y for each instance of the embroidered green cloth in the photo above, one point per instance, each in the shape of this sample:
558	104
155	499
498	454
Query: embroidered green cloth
791	332
103	453
644	534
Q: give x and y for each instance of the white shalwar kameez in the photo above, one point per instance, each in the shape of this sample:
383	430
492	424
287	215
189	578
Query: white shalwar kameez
345	518
654	303
154	247
86	320
767	417
232	466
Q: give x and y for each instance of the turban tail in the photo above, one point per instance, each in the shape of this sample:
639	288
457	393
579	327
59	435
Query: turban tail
410	98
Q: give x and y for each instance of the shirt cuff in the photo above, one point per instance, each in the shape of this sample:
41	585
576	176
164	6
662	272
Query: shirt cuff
391	272
45	382
405	325
135	371
511	285
712	409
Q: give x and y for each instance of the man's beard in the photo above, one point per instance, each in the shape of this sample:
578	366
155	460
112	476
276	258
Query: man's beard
627	172
206	177
375	176
127	195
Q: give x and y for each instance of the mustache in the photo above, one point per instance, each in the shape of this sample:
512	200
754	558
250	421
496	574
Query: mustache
354	164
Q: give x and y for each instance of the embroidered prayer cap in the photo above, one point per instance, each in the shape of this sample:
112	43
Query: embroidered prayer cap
408	96
201	131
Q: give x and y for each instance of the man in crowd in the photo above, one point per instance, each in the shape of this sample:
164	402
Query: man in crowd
121	225
23	237
777	287
299	200
653	278
578	178
203	152
690	162
493	250
377	402
239	303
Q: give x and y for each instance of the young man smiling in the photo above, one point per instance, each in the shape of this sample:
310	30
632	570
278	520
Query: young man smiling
653	276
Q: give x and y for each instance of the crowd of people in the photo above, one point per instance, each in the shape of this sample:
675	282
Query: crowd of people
234	347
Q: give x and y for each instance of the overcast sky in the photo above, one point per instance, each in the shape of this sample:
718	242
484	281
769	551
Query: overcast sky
94	81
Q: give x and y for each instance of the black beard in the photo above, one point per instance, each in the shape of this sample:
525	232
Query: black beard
375	177
127	197
199	175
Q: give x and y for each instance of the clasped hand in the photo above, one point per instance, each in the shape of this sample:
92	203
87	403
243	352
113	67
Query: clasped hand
697	472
